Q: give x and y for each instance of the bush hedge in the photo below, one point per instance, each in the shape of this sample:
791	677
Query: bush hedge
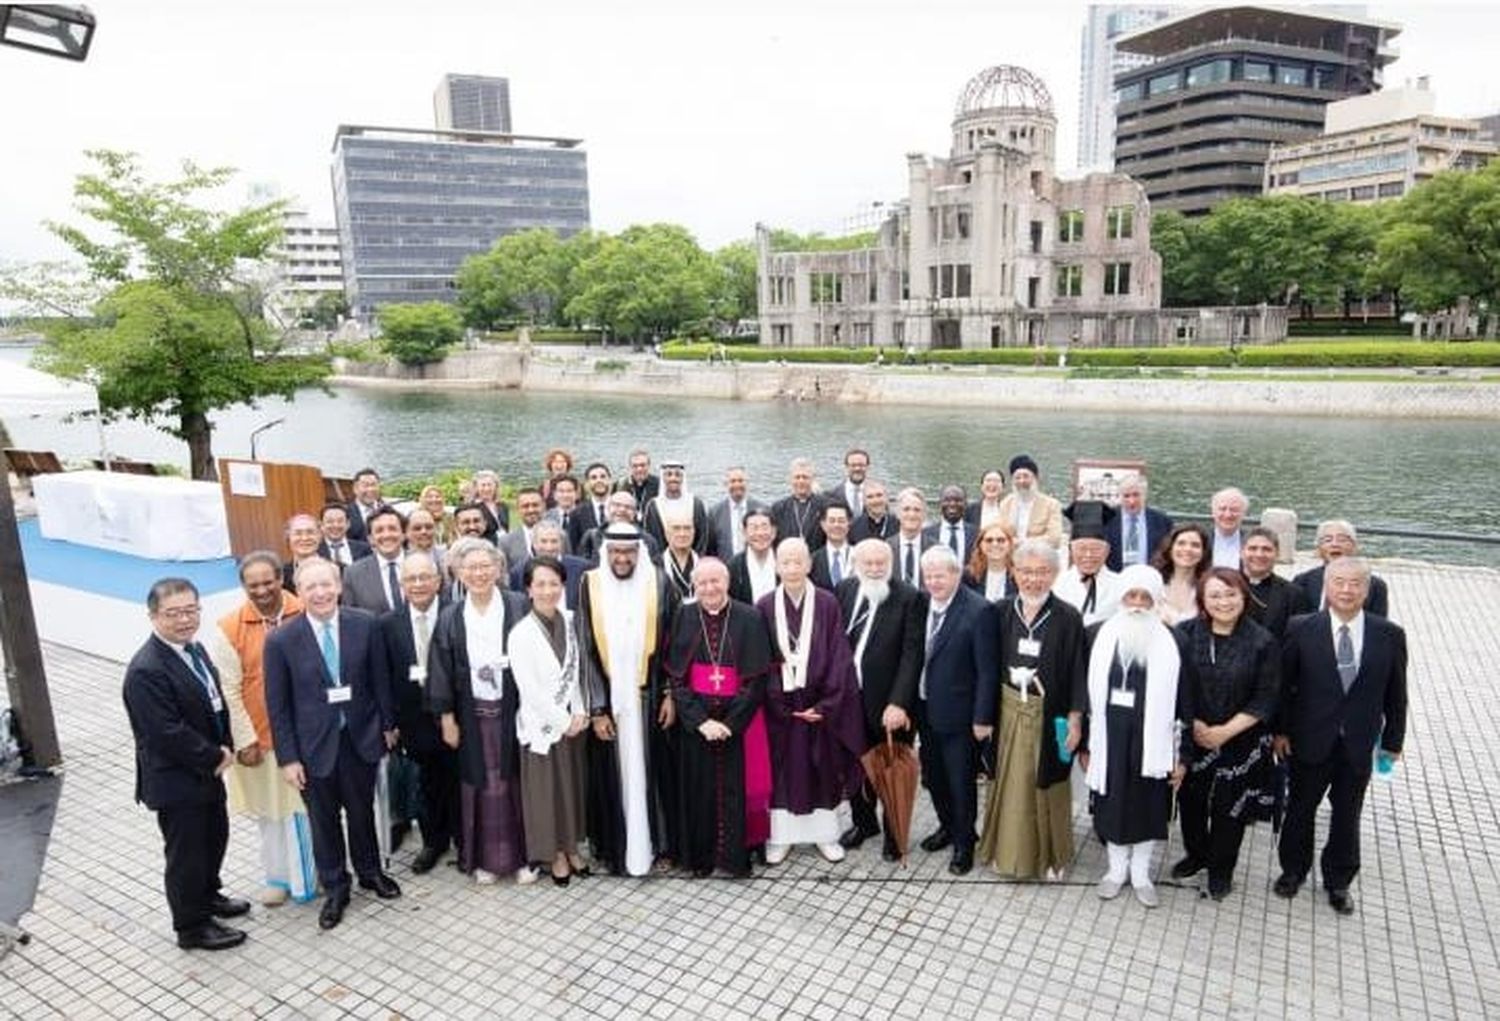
542	336
1295	354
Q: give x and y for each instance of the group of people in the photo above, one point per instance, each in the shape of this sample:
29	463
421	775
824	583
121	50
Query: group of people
629	679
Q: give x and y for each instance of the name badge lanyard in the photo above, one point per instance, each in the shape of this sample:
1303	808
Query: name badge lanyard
1030	647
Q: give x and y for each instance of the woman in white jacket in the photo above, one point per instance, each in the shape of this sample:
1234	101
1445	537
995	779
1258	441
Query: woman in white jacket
550	723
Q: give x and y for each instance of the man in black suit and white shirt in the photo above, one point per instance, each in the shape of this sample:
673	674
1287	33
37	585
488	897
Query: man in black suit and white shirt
1343	686
876	521
593	510
726	519
952	529
883	618
373	583
328	696
1337	538
1136	530
366	502
850	492
835	561
182	748
912	540
337	544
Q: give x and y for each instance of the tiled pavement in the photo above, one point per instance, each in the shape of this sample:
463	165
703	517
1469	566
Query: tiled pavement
862	939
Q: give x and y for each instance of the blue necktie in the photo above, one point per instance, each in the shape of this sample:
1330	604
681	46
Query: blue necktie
1348	668
331	661
395	583
836	563
200	667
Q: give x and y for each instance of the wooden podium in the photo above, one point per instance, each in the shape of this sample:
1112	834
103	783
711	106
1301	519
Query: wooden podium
259	498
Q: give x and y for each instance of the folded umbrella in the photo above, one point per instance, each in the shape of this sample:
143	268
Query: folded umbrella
894	773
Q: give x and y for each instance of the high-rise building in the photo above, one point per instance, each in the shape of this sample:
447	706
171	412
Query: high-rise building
1096	76
413	203
1194	125
1378	147
472	102
308	265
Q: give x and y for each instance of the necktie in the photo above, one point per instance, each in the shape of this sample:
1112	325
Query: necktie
337	549
909	568
1132	538
424	636
1089	602
200	667
1348	668
330	654
599	514
856	500
737	520
836	565
395	584
953	538
934	625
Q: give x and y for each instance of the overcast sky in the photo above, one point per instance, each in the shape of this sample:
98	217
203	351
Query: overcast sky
710	114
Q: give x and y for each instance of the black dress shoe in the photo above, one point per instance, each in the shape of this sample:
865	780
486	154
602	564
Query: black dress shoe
1287	885
333	909
228	907
936	840
426	860
888	849
1218	888
563	879
703	873
210	936
855	836
1187	867
382	885
962	863
1341	902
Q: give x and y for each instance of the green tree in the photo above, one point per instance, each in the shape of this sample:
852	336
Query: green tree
416	334
739	267
178	333
326	312
522	276
648	280
1443	242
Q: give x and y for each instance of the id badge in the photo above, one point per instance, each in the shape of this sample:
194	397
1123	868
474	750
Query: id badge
340	694
1122	697
1029	647
503	663
417	673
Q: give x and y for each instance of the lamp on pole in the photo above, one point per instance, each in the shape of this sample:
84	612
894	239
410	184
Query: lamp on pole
58	30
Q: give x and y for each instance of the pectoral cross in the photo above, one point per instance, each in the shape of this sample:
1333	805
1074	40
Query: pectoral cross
717	677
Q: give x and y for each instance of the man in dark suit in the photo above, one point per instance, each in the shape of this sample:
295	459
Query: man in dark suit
850	492
1343	691
726	519
640	483
337	544
1135	532
566	511
182	748
954	663
547	541
593	512
407	633
619	507
800	512
752	573
953	529
373	584
516	544
875	522
912	538
366	502
1274	601
328	695
835	561
1336	539
884	621
675	501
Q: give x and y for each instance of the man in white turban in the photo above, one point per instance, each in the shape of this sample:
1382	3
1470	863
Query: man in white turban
1132	759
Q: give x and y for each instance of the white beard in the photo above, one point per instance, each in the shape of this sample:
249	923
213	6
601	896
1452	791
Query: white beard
875	591
1133	639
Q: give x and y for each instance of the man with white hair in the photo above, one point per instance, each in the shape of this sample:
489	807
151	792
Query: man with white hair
912	539
624	609
1228	508
812	710
1138	529
1337	538
1132	763
884	618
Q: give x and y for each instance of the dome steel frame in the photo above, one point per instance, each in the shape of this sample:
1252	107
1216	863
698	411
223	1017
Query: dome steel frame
1004	87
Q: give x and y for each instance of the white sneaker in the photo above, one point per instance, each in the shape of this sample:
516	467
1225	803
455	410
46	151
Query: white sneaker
526	875
1146	894
1109	889
484	877
776	853
832	852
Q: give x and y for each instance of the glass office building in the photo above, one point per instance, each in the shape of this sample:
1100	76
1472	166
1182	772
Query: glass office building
412	204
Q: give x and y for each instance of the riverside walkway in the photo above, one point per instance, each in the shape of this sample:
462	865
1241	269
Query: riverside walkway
811	940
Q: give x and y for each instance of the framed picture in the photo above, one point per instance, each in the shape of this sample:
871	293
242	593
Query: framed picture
1099	478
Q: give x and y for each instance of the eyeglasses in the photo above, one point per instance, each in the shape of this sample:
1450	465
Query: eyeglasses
180	612
994	538
1032	572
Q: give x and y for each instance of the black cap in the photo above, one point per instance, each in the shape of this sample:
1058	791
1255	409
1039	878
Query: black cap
1024	461
1089	517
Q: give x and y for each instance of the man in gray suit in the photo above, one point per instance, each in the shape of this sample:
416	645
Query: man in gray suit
373	583
516	544
908	544
726	522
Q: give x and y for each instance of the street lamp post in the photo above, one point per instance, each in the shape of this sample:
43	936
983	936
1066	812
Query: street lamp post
58	30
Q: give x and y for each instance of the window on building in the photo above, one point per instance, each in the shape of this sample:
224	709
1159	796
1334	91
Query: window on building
945	275
1119	222
1257	71
873	293
1069	281
1036	236
1163	83
963	284
1392	189
1117	278
1128	93
1070	226
1209	73
1362	193
1033	290
1291	74
947	232
964	216
826	288
1324	77
898	332
932	281
905	285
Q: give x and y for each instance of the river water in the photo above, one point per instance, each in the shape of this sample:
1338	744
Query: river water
1434	475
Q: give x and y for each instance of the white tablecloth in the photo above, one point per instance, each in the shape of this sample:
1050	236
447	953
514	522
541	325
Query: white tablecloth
145	516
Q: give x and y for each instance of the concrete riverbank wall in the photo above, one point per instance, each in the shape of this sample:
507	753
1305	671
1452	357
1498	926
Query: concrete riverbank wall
1399	395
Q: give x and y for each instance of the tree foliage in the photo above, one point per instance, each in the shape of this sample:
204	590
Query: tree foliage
739	264
326	312
650	280
416	334
1442	241
177	333
523	277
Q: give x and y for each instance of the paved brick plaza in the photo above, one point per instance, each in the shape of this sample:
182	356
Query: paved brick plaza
863	939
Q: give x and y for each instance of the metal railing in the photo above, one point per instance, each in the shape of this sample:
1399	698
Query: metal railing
1479	539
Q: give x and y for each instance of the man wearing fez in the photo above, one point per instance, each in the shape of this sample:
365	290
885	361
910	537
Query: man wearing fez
1343	677
625	608
885	619
812	710
717	659
1088	585
182	748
